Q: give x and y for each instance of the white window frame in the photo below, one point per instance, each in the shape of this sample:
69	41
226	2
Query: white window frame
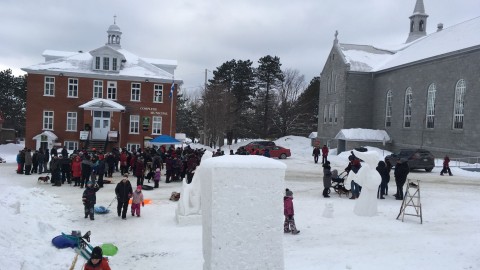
134	126
459	104
71	121
106	63
114	63
97	89
48	117
388	109
135	92
158	93
156	125
430	113
112	90
49	86
98	62
325	114
71	145
72	88
133	147
407	111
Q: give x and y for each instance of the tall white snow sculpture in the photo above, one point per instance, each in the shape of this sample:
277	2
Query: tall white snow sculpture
242	213
369	179
189	206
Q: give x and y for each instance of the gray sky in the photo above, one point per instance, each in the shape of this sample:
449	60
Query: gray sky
204	34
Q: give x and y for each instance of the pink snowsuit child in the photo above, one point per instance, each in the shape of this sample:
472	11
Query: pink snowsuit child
157	177
137	199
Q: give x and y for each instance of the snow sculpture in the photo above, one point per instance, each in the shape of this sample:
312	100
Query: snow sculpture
369	179
242	211
189	206
328	211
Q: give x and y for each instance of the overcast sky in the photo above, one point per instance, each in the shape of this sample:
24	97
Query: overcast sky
203	34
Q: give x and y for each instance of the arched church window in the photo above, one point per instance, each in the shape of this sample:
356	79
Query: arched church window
388	109
430	117
411	26
407	112
458	108
420	26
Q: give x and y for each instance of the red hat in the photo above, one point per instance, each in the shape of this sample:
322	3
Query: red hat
139	187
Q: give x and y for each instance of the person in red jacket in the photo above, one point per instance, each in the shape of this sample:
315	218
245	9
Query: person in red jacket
97	261
77	170
324	154
289	224
446	166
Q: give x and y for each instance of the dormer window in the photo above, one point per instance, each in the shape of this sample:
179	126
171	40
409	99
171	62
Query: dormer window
114	63
97	62
106	63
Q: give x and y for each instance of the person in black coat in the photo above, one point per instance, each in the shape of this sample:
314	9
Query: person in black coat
316	154
89	198
385	174
401	172
124	192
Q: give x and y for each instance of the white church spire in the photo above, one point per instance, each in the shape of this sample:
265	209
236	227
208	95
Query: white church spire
418	22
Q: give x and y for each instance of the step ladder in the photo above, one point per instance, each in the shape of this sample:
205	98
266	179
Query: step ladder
411	199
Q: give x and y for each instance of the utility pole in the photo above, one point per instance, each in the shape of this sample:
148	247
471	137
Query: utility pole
205	112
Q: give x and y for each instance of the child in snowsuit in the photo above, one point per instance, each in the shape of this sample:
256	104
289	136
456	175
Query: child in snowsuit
89	199
289	224
137	199
157	177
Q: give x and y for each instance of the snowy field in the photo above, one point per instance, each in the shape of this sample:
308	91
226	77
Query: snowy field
33	213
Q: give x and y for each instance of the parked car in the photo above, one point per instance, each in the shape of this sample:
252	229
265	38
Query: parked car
276	151
417	159
2	160
264	143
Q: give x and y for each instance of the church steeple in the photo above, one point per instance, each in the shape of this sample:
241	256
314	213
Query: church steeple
114	34
418	22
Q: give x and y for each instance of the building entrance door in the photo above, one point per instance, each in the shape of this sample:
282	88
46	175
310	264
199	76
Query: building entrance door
101	125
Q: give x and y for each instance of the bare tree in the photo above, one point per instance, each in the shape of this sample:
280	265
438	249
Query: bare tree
286	99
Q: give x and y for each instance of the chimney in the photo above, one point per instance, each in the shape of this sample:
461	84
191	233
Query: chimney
439	27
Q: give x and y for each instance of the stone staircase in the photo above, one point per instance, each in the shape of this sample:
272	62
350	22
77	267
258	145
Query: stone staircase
99	145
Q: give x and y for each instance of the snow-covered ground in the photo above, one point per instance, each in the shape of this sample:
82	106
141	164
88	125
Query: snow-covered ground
33	213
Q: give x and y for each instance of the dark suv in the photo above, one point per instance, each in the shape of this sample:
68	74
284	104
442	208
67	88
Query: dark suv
417	159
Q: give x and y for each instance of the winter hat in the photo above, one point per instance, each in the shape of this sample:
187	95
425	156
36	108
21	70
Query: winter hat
89	183
139	187
158	169
288	192
97	253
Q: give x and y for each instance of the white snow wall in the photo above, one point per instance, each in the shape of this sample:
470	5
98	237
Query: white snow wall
242	213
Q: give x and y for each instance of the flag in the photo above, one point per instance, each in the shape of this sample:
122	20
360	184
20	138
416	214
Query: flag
172	89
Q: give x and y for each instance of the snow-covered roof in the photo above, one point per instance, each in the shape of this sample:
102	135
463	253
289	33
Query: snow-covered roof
47	133
459	37
104	104
82	62
361	134
313	135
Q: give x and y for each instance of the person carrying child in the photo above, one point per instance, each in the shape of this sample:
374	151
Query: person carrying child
137	199
289	224
97	261
157	177
89	199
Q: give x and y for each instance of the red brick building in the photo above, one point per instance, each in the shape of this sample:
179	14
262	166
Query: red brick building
107	97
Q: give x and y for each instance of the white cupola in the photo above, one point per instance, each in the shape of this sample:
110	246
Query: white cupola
114	34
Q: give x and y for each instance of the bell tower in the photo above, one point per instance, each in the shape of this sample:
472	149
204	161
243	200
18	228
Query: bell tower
418	22
114	34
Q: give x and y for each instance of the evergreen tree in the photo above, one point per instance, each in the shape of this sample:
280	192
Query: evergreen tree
307	109
187	117
13	92
269	76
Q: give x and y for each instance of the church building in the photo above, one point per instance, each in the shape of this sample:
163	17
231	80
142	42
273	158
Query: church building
423	93
107	97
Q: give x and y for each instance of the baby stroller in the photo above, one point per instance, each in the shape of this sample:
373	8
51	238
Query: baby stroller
338	183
